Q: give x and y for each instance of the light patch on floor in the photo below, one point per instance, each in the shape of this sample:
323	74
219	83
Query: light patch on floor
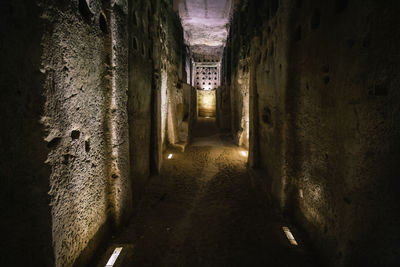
114	257
289	235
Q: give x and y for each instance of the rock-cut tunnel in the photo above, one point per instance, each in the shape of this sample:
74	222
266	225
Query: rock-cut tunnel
200	133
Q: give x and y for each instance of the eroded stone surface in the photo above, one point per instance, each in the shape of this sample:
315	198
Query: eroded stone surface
322	83
206	24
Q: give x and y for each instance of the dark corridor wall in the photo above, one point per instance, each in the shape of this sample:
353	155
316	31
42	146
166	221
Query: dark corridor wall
24	176
155	72
323	79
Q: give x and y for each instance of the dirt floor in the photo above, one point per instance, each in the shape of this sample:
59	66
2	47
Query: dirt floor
202	210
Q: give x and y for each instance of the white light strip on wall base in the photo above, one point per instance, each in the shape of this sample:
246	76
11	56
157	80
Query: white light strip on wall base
243	153
114	257
170	156
289	235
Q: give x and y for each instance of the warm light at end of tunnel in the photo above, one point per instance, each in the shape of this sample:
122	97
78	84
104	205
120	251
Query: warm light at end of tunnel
289	235
114	257
170	156
243	153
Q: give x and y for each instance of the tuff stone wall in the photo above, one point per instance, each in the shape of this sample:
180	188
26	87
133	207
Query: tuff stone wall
81	105
120	187
240	103
156	96
85	117
223	108
69	116
173	59
323	110
140	92
24	176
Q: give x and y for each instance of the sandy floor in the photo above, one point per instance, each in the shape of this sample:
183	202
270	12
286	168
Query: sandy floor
203	211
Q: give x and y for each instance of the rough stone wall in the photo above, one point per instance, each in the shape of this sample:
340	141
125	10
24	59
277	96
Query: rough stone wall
174	105
240	100
140	93
224	113
268	85
89	187
156	94
24	182
238	82
120	188
323	119
158	79
66	155
173	56
223	108
346	157
188	113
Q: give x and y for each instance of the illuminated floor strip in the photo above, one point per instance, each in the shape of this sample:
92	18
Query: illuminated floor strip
243	153
114	257
170	156
289	235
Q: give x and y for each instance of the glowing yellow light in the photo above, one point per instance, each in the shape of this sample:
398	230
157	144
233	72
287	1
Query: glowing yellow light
114	256
170	156
289	235
243	153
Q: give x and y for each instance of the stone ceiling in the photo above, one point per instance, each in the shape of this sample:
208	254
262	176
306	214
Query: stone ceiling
206	24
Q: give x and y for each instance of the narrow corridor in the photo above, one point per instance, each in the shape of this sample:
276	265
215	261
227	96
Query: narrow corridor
193	132
202	210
